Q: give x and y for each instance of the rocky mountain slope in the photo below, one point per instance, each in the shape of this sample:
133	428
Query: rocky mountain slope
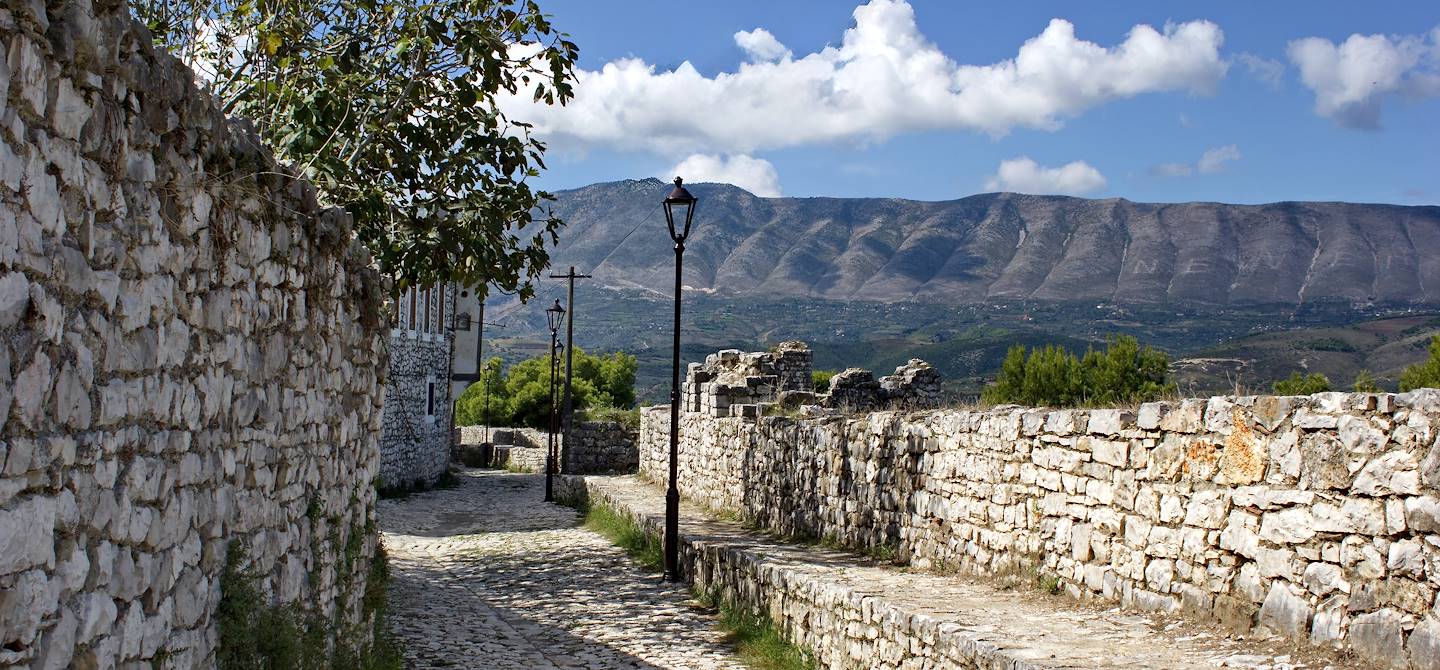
1005	247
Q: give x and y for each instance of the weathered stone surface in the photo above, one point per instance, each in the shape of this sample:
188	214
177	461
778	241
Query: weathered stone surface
1424	644
1321	531
1378	635
1284	612
164	392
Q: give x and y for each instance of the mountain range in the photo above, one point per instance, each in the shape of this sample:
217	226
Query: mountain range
1007	247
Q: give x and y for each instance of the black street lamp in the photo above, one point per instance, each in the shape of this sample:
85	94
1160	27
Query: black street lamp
555	315
678	205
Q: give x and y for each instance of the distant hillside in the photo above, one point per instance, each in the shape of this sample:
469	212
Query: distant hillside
1385	348
1005	246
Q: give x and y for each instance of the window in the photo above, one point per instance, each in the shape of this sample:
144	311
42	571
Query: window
427	327
440	310
430	399
410	318
462	322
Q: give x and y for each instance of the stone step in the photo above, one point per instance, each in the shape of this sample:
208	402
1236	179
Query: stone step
854	612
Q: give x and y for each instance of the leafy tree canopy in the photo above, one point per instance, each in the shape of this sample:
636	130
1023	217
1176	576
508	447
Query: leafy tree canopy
392	109
1425	374
1125	372
521	397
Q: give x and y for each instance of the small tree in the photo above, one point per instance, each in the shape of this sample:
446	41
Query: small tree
1365	383
521	397
393	109
1425	374
1297	384
1125	372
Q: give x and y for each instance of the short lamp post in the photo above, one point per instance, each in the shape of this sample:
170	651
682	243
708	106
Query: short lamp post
555	315
679	206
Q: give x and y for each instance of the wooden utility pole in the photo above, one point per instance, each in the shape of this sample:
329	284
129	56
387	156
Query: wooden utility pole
566	404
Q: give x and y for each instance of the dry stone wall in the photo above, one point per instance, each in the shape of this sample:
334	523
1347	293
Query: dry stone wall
1315	517
191	354
596	447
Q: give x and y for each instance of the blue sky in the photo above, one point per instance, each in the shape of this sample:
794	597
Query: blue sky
1239	102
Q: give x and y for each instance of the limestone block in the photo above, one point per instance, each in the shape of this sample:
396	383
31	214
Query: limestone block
1378	636
14	298
1323	578
1422	513
1424	643
1285	612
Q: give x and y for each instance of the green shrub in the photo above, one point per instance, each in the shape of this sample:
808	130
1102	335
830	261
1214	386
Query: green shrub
1124	373
1302	385
629	418
820	380
1364	383
1426	374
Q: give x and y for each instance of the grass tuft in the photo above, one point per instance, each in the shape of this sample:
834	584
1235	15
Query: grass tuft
758	643
626	534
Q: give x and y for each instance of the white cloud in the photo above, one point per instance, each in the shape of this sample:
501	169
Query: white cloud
755	175
1267	70
1212	161
761	46
1024	175
1350	80
1172	170
884	78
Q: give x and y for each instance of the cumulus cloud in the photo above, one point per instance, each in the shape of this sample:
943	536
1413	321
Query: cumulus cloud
1024	175
760	45
1212	161
1351	79
885	77
1267	70
755	175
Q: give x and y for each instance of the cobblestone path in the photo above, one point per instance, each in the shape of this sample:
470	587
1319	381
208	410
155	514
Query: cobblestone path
488	576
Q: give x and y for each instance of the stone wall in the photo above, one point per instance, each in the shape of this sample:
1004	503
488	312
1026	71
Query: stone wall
1313	517
415	440
191	355
597	447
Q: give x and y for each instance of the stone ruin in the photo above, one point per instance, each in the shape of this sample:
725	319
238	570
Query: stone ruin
735	383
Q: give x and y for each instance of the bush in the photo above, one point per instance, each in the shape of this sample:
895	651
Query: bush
820	380
521	397
1298	385
1426	374
1124	373
1364	383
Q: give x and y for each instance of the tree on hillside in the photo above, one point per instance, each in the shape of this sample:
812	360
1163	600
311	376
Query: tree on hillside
1298	384
1425	374
1124	372
392	109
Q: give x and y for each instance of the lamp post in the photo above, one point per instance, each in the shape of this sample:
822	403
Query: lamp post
678	205
555	315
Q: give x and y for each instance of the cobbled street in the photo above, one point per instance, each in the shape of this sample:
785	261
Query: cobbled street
486	575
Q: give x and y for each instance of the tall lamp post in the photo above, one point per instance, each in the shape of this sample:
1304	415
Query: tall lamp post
678	205
555	315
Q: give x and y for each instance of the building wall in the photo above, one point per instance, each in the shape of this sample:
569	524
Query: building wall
416	439
191	357
1313	517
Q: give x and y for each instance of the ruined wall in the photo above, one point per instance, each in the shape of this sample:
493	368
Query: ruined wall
1315	517
190	355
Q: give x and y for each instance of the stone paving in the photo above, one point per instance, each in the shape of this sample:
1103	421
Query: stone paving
486	575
